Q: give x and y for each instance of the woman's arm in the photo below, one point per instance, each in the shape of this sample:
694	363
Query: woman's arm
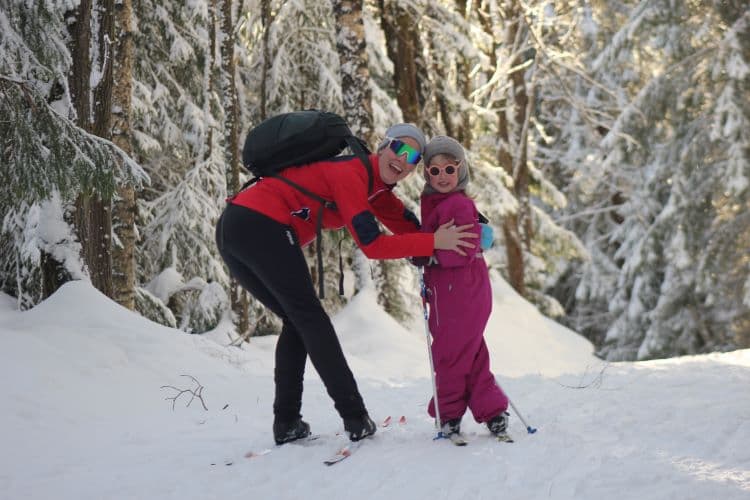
390	210
349	192
350	196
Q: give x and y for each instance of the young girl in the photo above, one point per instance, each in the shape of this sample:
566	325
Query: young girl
460	297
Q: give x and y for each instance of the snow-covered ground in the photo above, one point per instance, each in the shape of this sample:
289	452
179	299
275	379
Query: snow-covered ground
84	414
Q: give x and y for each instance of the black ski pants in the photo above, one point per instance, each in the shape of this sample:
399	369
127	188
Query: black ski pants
265	257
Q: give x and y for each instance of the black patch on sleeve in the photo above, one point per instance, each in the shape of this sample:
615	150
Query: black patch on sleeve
302	213
366	227
411	217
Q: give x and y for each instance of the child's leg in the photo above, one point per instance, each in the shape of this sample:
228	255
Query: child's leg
451	389
486	399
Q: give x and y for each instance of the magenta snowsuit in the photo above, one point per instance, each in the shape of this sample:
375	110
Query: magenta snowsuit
460	297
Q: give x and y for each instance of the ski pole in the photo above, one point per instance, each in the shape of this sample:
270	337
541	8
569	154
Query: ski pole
429	352
529	429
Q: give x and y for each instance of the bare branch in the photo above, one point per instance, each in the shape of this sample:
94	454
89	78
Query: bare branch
195	393
596	382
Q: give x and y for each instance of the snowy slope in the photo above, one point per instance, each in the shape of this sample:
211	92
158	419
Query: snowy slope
85	417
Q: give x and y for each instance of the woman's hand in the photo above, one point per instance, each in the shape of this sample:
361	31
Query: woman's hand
451	237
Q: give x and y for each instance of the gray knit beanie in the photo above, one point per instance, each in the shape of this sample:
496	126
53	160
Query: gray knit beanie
403	130
444	145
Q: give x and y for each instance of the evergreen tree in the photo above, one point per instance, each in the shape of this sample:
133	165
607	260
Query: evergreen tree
47	160
176	108
672	166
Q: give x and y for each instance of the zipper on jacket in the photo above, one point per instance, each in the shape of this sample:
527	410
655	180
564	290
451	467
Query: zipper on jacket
437	314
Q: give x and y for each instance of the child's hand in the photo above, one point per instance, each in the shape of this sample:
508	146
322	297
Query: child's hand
451	237
488	236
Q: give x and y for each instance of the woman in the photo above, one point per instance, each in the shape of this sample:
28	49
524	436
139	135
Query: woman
260	236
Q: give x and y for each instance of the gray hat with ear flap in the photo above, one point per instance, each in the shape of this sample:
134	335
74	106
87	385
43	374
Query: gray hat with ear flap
444	145
403	130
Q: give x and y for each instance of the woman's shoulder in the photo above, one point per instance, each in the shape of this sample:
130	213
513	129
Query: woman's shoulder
351	169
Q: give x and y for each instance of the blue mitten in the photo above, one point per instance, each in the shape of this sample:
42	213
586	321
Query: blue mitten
488	236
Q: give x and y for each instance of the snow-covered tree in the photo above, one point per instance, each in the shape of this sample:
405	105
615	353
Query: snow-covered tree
577	107
297	66
677	161
47	160
498	46
175	110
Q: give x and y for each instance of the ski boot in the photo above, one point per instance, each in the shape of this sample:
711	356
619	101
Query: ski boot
498	426
451	429
284	432
359	427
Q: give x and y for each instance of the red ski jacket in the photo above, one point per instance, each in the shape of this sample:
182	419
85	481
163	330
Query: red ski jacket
342	180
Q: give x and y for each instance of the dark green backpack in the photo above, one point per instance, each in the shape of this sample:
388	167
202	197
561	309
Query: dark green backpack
298	138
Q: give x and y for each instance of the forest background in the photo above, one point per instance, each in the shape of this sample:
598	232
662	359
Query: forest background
609	144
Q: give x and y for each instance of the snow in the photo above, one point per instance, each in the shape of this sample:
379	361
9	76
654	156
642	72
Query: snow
166	284
85	415
45	230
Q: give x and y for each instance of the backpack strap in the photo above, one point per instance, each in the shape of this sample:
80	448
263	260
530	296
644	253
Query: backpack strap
360	150
318	227
247	185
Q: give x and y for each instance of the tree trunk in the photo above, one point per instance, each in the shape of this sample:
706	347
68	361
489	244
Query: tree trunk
238	296
355	73
356	93
438	72
463	84
229	96
402	42
100	210
267	18
93	215
124	208
78	21
357	98
511	223
520	171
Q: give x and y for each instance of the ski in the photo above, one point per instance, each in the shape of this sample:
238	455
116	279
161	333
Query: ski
457	439
297	442
344	452
256	454
387	421
503	438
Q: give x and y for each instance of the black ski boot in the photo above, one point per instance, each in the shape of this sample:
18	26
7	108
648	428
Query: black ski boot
359	427
284	432
451	427
498	426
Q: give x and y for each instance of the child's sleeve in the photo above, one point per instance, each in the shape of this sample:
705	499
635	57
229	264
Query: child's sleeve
462	212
